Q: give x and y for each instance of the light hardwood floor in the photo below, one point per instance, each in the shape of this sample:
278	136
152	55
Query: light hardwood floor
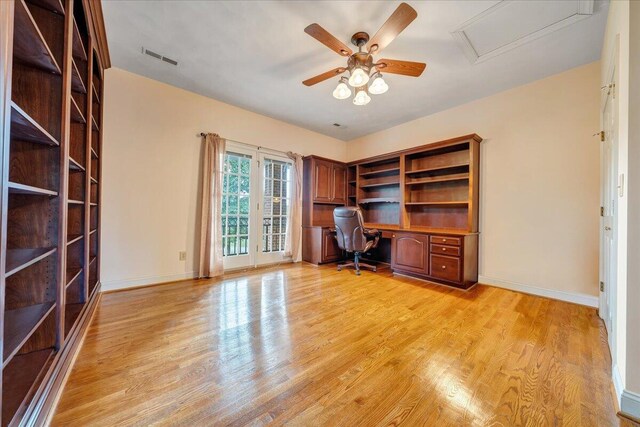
311	346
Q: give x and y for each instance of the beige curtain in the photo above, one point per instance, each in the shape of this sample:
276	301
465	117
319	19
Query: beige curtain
293	238
211	201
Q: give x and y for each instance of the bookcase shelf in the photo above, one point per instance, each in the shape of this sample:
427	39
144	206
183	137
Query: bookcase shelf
379	200
79	51
16	188
77	84
437	168
96	97
446	203
18	259
76	114
74	165
381	172
94	124
23	127
19	324
30	46
72	274
439	178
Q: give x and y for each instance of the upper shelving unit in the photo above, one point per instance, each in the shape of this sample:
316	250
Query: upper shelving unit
30	46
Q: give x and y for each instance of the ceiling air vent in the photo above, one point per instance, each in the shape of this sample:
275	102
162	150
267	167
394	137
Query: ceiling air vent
158	56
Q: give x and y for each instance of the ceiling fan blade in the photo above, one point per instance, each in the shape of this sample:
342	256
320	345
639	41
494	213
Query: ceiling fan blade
406	68
324	76
324	37
398	21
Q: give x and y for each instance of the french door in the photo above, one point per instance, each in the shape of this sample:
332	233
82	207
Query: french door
255	207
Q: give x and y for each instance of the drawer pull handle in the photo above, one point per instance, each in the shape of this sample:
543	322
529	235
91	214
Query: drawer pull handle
444	267
444	249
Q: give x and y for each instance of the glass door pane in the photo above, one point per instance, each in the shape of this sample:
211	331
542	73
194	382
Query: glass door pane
236	210
276	190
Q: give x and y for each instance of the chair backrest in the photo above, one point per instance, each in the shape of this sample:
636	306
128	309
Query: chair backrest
349	228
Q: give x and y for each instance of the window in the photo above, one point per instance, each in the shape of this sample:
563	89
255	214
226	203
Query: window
236	202
275	202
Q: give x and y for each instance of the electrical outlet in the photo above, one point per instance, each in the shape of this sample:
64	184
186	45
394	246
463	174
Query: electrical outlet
182	255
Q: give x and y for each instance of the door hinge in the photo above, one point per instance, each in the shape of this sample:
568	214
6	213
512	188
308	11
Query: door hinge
601	136
601	286
256	248
601	210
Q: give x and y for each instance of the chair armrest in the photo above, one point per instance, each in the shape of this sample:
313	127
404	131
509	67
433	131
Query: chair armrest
372	231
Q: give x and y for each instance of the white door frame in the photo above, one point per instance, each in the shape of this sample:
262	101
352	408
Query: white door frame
608	273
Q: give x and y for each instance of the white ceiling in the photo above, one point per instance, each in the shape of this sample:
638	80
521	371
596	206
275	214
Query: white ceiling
255	54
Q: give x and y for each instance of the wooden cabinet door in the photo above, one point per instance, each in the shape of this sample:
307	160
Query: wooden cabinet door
339	184
322	181
330	249
409	252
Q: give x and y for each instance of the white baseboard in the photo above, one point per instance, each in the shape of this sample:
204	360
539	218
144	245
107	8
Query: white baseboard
617	383
630	403
112	285
576	298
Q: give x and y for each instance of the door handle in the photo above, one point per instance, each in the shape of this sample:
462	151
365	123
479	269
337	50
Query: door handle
607	228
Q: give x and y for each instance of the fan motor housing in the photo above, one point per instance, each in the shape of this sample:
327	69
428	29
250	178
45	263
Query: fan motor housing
360	38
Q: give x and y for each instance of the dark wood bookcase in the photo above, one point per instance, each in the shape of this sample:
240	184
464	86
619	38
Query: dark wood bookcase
50	227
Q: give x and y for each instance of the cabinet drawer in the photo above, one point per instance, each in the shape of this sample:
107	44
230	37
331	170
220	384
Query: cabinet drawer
446	240
445	250
445	268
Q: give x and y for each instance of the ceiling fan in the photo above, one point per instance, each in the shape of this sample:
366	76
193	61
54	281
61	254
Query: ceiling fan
361	66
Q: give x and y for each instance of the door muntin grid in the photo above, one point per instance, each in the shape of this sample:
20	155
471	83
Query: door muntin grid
275	204
236	204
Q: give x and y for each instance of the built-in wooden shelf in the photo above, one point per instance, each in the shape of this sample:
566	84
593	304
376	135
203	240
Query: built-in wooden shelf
96	97
93	231
380	184
440	178
71	313
72	274
92	204
94	124
24	373
15	188
381	172
75	202
55	6
94	154
379	200
77	85
93	180
74	165
72	238
76	114
353	182
18	259
438	168
79	51
92	259
23	127
19	324
450	203
29	44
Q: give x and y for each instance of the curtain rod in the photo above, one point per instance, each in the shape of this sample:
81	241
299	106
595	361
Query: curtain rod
249	145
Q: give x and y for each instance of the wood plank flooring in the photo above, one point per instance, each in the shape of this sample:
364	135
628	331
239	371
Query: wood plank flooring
309	346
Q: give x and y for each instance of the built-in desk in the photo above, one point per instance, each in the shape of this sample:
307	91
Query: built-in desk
441	255
424	200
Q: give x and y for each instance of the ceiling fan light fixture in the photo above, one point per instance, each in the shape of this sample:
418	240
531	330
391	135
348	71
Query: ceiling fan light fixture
378	86
342	91
362	97
358	77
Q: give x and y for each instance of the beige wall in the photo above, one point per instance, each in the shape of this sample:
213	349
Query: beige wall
539	183
150	171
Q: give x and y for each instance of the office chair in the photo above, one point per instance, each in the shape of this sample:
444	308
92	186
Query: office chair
353	237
